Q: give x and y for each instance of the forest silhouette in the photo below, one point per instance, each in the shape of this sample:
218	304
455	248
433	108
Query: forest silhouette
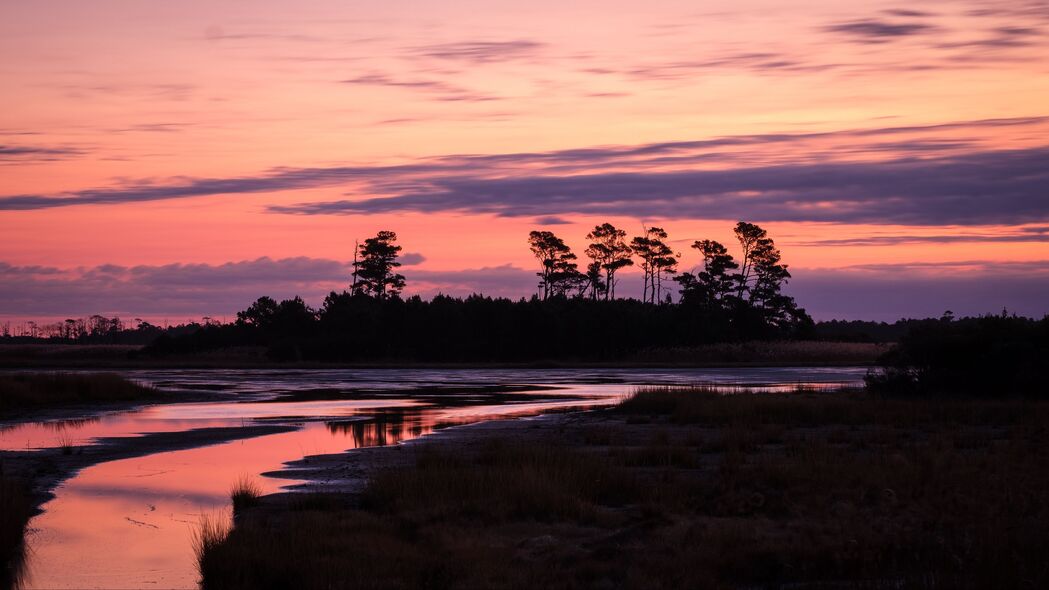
575	315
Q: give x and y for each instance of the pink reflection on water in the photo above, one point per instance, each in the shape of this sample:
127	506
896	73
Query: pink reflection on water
175	418
129	523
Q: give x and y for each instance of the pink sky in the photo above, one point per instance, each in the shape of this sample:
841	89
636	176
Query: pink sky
174	160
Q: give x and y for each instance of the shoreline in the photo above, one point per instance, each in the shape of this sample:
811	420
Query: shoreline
537	365
728	355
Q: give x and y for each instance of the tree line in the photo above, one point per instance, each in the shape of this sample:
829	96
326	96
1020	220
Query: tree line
96	329
990	356
574	314
753	284
756	281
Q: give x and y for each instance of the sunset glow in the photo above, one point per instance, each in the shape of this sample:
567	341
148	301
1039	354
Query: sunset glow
177	160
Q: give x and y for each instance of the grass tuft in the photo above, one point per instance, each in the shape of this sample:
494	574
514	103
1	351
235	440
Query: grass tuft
245	493
211	531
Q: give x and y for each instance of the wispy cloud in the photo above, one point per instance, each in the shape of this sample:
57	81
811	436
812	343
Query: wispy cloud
445	90
480	52
384	80
411	258
1021	235
765	62
878	30
23	153
217	33
551	220
908	13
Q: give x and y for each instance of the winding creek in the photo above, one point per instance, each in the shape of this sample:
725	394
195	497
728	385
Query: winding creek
128	523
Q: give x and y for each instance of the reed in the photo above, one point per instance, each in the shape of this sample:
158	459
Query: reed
245	493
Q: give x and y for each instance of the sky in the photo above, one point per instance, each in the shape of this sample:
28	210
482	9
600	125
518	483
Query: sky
173	160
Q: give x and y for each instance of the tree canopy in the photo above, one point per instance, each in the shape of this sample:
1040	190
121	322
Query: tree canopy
610	252
374	267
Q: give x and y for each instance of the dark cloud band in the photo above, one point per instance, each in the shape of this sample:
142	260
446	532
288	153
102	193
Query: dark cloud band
838	176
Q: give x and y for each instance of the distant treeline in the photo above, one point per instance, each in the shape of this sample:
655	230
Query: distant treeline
866	331
80	331
350	327
96	329
990	356
574	315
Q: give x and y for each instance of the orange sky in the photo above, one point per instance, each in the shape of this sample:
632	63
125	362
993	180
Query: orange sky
872	141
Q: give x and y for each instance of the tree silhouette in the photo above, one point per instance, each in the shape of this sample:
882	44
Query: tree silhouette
374	267
657	259
750	237
609	249
762	276
259	314
595	281
714	286
560	273
769	277
728	300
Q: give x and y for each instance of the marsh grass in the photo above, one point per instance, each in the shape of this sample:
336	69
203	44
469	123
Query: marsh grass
21	391
688	488
503	481
776	352
66	443
245	493
16	508
209	534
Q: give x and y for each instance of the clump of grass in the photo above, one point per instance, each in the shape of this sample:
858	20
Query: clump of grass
66	444
211	531
16	508
20	391
245	493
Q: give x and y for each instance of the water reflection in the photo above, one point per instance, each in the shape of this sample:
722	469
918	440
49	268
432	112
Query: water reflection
385	427
129	523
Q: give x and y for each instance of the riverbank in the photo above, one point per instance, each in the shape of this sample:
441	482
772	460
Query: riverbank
670	489
741	354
